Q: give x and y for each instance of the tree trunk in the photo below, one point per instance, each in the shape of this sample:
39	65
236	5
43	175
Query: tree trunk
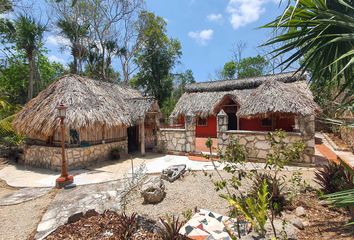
74	70
103	62
31	76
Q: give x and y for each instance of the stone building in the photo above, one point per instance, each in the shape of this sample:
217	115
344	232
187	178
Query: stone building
100	116
245	109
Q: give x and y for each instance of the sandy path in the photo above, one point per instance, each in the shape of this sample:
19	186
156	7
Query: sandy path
21	220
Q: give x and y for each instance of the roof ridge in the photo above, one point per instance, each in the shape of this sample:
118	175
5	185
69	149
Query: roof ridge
246	78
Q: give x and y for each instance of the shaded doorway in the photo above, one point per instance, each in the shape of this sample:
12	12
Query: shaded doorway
133	139
232	124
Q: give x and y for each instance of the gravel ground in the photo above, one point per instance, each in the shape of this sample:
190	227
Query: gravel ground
20	221
193	190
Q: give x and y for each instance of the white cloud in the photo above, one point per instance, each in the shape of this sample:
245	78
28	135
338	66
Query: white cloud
243	12
214	17
57	40
54	58
202	37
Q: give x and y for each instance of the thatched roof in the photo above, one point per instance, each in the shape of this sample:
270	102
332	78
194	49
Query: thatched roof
245	83
89	102
279	98
139	107
203	99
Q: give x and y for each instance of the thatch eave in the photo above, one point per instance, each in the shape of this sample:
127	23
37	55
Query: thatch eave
90	103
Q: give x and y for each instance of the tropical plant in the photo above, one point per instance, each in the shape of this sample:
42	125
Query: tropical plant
254	209
320	33
172	226
275	188
344	199
333	177
27	35
76	33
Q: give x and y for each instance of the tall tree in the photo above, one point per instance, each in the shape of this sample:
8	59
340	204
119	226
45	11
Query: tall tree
251	67
106	19
27	35
77	34
14	76
156	58
229	70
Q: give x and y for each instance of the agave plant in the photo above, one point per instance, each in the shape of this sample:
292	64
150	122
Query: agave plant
172	226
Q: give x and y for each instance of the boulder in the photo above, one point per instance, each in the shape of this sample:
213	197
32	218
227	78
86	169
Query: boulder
173	172
300	211
153	190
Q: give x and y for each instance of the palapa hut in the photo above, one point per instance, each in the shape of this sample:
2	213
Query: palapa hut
100	116
247	109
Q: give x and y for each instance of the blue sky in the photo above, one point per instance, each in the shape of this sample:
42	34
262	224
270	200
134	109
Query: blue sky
207	30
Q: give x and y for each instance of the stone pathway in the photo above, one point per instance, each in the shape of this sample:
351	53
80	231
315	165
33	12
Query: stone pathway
332	155
23	195
103	196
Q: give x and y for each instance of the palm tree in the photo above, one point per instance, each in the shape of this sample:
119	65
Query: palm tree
76	33
27	34
320	34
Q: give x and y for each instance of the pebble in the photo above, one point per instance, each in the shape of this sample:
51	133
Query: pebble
300	211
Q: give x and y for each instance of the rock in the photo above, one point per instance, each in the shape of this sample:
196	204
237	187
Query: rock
173	172
282	228
297	222
300	211
306	223
90	213
153	190
75	217
323	203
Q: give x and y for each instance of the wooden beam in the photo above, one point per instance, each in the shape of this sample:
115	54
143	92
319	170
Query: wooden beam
142	136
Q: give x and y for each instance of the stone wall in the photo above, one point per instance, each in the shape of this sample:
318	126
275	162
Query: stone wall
50	157
171	140
257	145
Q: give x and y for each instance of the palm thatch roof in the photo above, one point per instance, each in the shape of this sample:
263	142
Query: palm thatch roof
203	99
245	83
140	106
279	98
89	102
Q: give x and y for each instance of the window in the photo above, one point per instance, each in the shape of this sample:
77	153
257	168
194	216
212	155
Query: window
202	122
267	122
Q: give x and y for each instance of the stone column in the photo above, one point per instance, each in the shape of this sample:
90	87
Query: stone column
307	130
222	123
190	124
142	136
172	120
